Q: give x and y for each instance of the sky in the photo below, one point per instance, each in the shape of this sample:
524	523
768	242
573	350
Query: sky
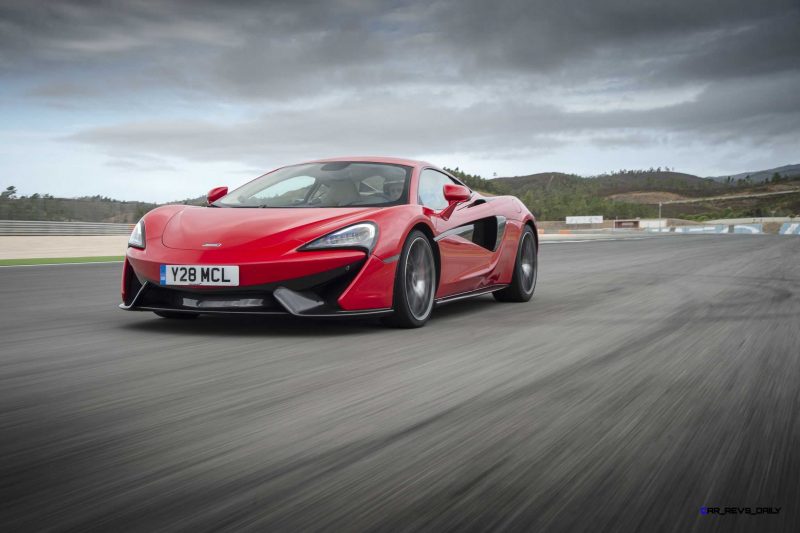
162	100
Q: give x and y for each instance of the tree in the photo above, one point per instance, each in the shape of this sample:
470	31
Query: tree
10	192
776	177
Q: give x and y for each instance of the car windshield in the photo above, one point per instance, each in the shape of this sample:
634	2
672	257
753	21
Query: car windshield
333	184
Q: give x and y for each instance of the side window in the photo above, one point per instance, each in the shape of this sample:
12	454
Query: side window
431	185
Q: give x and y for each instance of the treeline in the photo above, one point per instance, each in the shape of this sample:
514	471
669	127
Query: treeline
634	171
84	209
549	196
555	195
557	205
748	180
657	180
474	181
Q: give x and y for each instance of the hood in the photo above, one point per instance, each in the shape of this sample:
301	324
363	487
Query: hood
193	227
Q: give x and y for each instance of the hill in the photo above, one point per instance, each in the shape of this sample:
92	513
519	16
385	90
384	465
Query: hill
636	193
549	195
83	209
760	176
86	209
619	182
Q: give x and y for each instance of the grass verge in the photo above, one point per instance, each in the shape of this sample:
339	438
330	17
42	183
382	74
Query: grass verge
59	260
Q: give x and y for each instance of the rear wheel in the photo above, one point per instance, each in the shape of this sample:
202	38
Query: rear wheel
176	315
415	283
526	268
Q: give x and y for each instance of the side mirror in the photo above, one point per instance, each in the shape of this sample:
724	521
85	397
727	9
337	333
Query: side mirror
215	194
454	194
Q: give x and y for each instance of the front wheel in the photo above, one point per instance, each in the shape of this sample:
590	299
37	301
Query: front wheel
415	283
526	268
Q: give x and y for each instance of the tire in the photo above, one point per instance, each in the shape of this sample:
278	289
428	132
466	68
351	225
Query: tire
175	315
414	283
526	269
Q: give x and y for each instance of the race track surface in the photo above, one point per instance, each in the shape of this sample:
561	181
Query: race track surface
646	379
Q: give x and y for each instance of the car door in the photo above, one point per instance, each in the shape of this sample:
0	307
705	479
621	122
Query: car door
464	263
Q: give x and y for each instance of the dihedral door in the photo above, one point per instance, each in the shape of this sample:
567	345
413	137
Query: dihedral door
468	240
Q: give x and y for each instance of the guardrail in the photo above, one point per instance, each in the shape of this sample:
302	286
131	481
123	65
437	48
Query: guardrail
711	228
790	229
42	227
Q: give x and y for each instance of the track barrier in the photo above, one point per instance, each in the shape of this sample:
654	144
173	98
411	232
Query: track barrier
790	228
40	227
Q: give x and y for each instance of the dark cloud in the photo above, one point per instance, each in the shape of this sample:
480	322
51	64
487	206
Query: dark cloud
542	34
326	77
254	48
761	47
387	124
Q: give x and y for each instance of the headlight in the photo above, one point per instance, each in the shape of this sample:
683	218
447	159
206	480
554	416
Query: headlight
362	235
137	236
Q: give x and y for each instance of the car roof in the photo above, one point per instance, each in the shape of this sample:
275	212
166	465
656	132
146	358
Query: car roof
379	159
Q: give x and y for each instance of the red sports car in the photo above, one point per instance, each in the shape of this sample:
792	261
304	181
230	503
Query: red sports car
351	236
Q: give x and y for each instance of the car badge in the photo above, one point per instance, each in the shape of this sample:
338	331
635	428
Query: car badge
212	244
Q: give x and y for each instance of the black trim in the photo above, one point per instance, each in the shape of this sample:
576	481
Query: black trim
470	294
324	289
133	301
204	311
303	283
486	232
132	283
466	229
328	314
309	305
298	303
501	230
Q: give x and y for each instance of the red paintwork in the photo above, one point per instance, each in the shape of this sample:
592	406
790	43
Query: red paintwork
215	194
456	193
264	242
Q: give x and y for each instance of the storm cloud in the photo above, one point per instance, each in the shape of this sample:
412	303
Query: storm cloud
581	85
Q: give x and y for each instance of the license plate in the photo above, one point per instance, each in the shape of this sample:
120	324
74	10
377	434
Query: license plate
210	275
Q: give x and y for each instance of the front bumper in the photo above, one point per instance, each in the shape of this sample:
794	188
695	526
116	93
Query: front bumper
358	288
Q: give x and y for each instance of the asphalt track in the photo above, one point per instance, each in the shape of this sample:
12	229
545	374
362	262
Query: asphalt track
646	379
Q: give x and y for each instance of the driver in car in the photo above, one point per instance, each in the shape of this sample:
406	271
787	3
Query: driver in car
393	190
